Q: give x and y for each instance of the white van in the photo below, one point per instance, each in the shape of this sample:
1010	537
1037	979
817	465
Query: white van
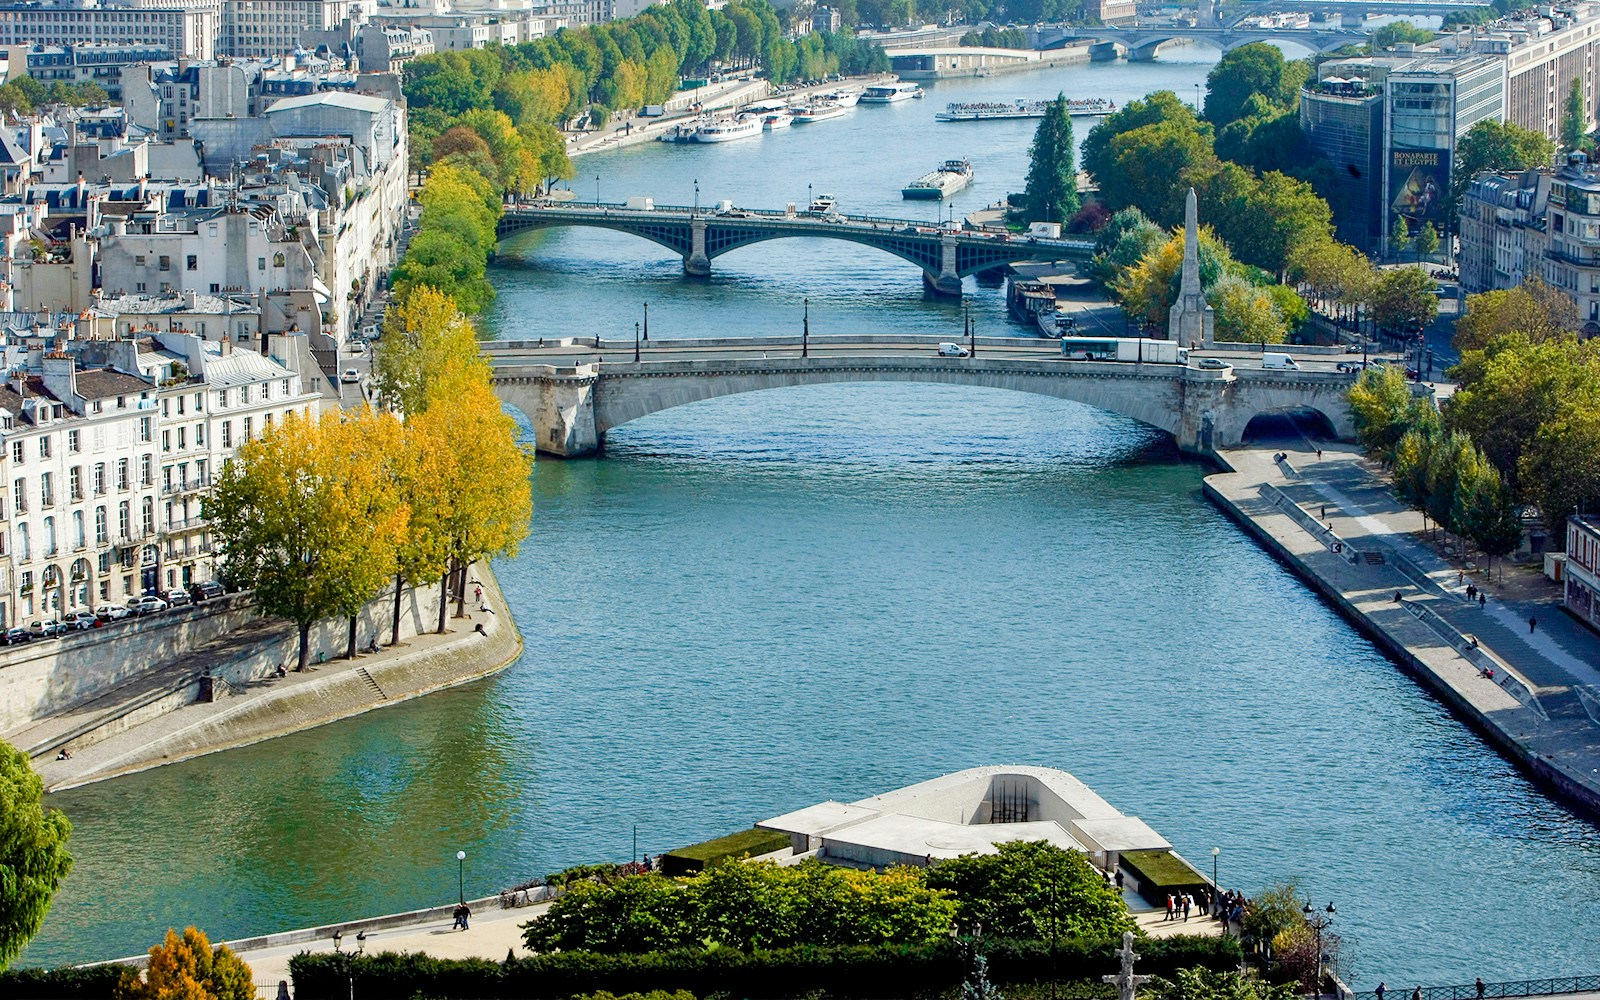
952	351
1275	359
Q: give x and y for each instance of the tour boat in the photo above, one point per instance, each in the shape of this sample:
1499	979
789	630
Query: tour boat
1081	107
728	131
845	97
890	93
952	176
817	113
823	204
776	120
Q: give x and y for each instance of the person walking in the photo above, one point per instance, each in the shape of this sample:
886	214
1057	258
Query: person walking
1170	906
1416	994
1478	985
1481	599
1533	623
1381	990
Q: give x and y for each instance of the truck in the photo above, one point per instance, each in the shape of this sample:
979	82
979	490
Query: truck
637	203
1278	360
1045	230
1160	352
652	111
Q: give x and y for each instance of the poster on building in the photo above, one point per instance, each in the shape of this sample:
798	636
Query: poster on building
1419	181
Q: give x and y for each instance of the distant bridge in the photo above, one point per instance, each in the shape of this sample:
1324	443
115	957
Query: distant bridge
573	398
697	235
1140	43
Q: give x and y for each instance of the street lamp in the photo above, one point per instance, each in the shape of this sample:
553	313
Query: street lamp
809	199
1197	98
805	328
647	321
461	875
596	190
636	343
1318	922
1214	852
697	196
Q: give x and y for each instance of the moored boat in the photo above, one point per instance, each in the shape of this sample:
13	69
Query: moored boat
845	97
817	113
950	177
728	131
776	120
1081	107
890	93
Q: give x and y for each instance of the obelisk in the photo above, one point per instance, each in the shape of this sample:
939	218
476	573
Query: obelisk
1191	323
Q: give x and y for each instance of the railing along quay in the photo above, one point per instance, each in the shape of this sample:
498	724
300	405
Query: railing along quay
1493	991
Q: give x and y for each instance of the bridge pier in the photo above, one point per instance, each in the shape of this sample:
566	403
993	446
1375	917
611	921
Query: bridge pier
697	263
947	282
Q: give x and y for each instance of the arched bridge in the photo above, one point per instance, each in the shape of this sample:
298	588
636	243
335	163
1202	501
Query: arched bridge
945	255
1140	43
574	393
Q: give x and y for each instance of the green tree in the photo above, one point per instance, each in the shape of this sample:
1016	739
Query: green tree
1496	145
33	853
1051	193
1488	512
1399	236
1161	107
1540	311
1427	240
1511	389
1381	404
1403	300
308	516
1387	36
187	967
1151	167
1560	470
1204	984
1031	890
1257	68
1574	117
1126	239
1245	313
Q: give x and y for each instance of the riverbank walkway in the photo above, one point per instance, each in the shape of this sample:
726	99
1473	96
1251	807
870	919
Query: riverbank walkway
268	706
1534	690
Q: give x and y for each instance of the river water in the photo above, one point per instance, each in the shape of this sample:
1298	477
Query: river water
760	602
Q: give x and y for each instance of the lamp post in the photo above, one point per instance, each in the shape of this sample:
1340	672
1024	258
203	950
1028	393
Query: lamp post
461	875
647	321
809	199
1214	852
1318	922
596	190
805	328
636	361
1197	99
697	196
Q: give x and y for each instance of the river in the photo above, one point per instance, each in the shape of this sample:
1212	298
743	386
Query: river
756	603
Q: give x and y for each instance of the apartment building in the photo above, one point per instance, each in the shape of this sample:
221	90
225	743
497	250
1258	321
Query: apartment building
261	28
179	30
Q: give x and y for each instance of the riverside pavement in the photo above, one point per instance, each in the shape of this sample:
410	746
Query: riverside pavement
1343	500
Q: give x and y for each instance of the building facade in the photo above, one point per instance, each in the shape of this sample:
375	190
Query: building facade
179	31
1582	575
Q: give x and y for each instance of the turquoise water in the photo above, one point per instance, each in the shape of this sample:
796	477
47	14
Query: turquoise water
756	603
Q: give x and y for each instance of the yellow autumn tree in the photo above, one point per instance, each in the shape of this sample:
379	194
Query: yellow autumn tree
186	967
483	498
425	337
309	515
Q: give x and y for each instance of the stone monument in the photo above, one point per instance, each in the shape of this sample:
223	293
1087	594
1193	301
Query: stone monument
1191	321
1126	982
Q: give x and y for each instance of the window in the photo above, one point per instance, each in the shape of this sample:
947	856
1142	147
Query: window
222	399
266	421
227	434
138	260
124	520
199	435
100	527
148	515
145	433
182	436
47	493
74	442
180	407
19	497
49	537
17	456
165	263
261	263
199	397
100	479
247	423
78	540
44	446
277	260
193	262
283	388
244	395
24	552
166	440
122	474
147	472
75	482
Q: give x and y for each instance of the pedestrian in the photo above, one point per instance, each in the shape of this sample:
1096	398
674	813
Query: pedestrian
1461	577
1381	990
1479	985
1481	601
1416	994
1533	623
1472	591
1119	878
1397	597
466	913
477	594
1188	904
455	914
1170	906
1324	512
1319	454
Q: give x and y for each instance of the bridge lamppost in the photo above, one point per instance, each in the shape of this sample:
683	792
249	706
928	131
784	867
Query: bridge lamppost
697	196
805	328
647	321
1318	922
636	343
596	190
1197	99
810	200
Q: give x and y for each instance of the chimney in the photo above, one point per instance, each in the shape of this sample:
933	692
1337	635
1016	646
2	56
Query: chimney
61	376
82	188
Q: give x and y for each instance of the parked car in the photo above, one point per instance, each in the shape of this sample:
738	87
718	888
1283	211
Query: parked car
1349	366
205	591
111	612
149	604
1213	364
16	636
45	628
80	621
178	597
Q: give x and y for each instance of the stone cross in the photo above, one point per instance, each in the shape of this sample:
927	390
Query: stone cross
1126	982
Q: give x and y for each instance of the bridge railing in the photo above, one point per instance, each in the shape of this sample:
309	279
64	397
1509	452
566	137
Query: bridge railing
1495	991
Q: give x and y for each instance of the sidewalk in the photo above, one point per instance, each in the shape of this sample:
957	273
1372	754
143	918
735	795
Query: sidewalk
1549	732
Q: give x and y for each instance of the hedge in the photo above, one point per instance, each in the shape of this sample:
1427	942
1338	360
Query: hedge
1161	872
874	971
695	858
94	982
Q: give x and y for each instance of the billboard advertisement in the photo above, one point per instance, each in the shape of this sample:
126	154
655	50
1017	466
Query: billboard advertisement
1419	184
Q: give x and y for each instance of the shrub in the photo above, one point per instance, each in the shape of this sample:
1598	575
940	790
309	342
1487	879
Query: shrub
752	843
96	982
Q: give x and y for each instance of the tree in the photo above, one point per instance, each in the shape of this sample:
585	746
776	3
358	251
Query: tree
1574	117
308	515
1539	311
1151	168
1514	387
1489	514
1399	236
1051	193
1427	240
33	853
1149	288
425	338
1560	470
188	968
1031	890
1245	313
1204	984
1404	301
1161	107
1387	36
1257	68
1496	145
1122	243
1380	403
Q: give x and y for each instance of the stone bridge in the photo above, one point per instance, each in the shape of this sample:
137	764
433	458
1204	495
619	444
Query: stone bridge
572	405
945	255
1140	44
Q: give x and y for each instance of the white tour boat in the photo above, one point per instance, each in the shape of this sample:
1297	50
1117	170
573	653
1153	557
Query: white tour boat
772	121
817	113
890	93
728	131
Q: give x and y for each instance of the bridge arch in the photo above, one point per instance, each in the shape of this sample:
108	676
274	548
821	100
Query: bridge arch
661	236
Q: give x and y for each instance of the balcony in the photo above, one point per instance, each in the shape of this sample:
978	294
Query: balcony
186	524
186	486
1592	260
